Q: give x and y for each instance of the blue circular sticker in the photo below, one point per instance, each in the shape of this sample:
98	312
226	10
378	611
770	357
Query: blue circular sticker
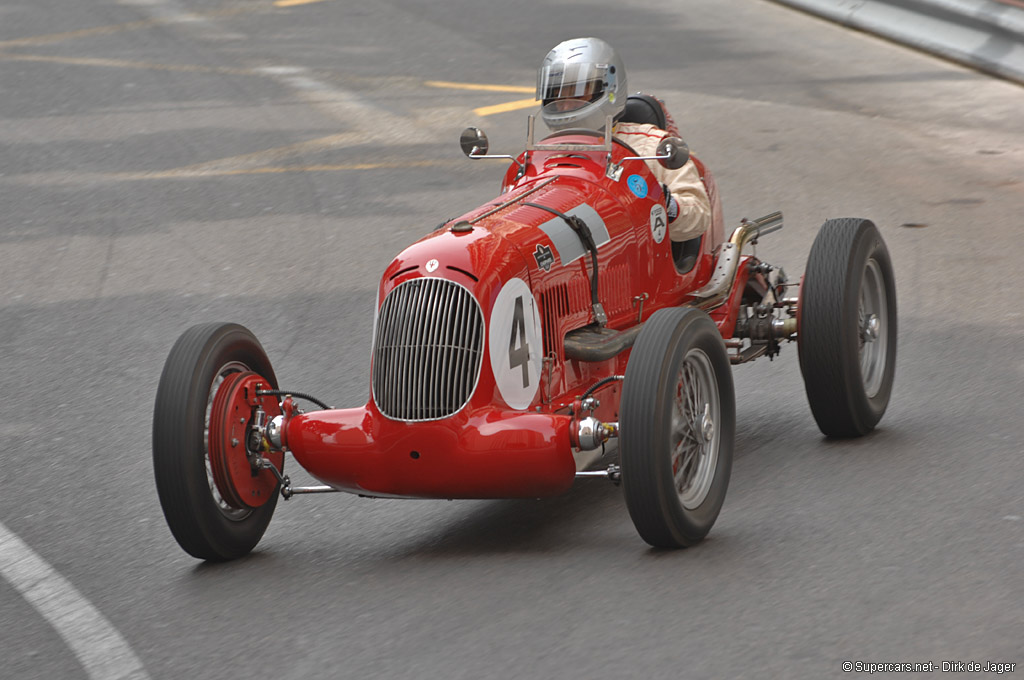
637	185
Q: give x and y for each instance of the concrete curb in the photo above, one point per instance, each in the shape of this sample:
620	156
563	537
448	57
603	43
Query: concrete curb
985	34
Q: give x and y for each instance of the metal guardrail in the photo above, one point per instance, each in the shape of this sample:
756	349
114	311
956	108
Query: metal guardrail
987	35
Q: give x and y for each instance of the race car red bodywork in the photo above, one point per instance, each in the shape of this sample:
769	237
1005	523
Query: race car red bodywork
489	447
513	342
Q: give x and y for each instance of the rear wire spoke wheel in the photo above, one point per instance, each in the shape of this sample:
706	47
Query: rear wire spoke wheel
676	428
847	327
215	507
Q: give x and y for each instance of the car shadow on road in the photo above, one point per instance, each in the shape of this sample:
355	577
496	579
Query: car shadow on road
573	519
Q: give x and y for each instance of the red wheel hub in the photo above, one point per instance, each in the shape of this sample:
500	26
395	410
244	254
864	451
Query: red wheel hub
230	422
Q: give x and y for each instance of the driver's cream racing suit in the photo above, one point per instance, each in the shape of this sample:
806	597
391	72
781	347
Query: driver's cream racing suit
684	184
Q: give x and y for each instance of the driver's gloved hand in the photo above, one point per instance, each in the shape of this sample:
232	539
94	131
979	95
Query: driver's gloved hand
671	204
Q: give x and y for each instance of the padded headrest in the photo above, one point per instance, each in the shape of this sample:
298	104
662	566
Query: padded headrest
643	108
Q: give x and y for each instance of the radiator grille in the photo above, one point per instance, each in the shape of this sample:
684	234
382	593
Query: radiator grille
427	351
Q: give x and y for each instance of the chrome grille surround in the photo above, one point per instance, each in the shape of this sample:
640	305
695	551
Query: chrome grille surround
428	350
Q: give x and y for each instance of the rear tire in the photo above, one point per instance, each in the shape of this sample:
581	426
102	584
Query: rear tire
205	524
847	329
676	427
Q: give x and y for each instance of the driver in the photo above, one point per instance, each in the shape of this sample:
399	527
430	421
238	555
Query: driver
580	83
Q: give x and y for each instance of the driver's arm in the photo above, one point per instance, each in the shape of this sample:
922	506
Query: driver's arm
684	184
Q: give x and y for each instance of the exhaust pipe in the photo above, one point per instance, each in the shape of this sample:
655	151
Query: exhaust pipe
722	278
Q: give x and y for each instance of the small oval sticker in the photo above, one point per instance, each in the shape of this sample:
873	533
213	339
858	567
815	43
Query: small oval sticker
638	185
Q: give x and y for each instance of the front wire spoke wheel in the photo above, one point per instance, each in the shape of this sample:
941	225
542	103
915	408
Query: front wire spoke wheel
703	410
233	513
216	507
676	427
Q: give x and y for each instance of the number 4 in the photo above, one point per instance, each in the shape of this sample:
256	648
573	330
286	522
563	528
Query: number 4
519	356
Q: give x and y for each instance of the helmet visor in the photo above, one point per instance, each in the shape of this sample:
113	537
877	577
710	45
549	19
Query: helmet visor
568	87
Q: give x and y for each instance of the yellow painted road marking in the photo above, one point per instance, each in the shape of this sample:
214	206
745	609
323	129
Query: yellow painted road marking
115	28
496	108
330	168
122	63
293	3
187	173
81	33
508	106
257	163
477	86
261	158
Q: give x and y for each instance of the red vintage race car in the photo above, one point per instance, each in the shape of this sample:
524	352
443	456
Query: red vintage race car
514	342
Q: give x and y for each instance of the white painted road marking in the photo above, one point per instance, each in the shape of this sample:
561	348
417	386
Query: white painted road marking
101	650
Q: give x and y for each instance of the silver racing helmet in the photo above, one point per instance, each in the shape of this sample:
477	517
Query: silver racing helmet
580	83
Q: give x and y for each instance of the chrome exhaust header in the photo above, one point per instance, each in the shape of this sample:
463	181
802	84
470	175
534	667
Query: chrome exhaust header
722	278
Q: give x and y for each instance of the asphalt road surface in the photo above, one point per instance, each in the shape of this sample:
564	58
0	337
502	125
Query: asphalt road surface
168	162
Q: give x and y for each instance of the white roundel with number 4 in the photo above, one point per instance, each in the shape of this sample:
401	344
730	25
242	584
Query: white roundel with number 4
514	337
